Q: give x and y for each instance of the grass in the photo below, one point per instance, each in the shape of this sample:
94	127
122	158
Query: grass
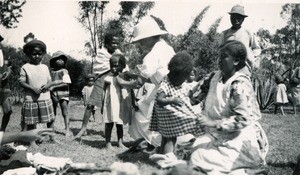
282	131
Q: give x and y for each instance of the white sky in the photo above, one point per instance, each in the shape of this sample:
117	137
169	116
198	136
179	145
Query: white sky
55	23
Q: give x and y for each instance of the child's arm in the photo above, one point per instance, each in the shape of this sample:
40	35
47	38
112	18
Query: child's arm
132	84
162	100
66	80
83	96
25	85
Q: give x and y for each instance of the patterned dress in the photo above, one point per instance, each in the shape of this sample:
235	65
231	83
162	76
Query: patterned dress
239	144
173	120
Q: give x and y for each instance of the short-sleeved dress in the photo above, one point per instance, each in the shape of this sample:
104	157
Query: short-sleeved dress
36	108
114	106
173	120
281	94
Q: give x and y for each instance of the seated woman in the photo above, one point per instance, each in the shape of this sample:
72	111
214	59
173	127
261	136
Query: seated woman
235	142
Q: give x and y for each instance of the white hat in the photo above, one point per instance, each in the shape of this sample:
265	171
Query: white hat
146	28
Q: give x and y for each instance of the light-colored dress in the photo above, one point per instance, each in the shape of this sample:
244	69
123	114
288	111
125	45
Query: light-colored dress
114	105
281	95
173	120
60	93
86	92
240	143
154	67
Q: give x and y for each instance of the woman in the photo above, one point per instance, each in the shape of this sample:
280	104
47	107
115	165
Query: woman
235	142
147	35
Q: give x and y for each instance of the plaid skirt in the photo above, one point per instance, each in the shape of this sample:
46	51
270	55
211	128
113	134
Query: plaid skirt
174	121
37	112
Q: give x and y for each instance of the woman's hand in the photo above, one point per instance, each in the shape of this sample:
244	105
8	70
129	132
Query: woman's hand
36	134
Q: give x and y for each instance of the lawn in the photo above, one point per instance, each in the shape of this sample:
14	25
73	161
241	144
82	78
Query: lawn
283	133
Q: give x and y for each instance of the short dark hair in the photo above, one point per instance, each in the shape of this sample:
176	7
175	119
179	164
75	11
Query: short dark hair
181	64
121	59
237	50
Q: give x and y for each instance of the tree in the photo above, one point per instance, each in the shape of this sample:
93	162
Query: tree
10	11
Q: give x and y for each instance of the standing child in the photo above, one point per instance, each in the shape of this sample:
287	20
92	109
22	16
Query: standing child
36	80
173	114
114	106
5	71
280	94
86	92
60	92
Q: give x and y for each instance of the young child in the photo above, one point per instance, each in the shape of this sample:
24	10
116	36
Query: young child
173	114
280	94
36	80
86	92
5	71
60	92
113	109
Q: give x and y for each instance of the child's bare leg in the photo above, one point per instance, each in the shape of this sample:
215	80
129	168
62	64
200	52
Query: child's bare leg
6	114
108	129
120	136
170	145
276	107
64	111
281	110
86	117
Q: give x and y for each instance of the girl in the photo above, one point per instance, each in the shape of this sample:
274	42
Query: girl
173	114
235	142
36	80
60	92
113	109
280	95
86	92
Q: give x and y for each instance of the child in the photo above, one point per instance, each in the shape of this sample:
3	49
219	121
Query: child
113	108
235	143
280	94
173	114
36	80
86	92
60	92
5	71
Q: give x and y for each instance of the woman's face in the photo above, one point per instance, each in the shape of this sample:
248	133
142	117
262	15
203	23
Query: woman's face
36	56
227	63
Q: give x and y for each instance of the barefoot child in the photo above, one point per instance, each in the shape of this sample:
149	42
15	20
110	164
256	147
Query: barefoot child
280	94
173	114
36	80
114	110
86	92
60	92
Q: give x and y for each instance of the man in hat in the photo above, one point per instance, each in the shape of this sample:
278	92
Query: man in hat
236	32
147	35
5	71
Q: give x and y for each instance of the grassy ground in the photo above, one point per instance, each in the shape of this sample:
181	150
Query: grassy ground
283	133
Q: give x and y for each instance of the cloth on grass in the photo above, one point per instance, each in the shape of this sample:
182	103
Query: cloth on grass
127	168
21	171
166	160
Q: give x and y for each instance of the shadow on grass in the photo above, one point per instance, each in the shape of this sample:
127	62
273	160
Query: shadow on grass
89	132
282	164
138	157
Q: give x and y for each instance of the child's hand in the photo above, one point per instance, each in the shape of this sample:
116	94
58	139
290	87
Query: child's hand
36	90
177	101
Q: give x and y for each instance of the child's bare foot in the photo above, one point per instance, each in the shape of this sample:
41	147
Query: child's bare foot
81	133
109	146
121	145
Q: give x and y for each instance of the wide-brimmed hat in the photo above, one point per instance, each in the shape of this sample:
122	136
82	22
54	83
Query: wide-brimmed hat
238	9
27	48
57	55
89	76
145	29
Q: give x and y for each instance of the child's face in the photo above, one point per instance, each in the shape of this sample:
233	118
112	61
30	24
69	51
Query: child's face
91	82
227	63
59	63
113	45
192	77
236	20
36	56
115	67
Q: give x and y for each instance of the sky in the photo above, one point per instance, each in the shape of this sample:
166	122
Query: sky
55	23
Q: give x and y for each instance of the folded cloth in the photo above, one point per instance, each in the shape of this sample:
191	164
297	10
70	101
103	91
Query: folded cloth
166	160
21	171
47	163
17	160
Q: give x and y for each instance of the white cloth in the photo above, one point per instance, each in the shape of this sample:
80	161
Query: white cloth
1	136
86	92
281	94
155	67
1	58
21	171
